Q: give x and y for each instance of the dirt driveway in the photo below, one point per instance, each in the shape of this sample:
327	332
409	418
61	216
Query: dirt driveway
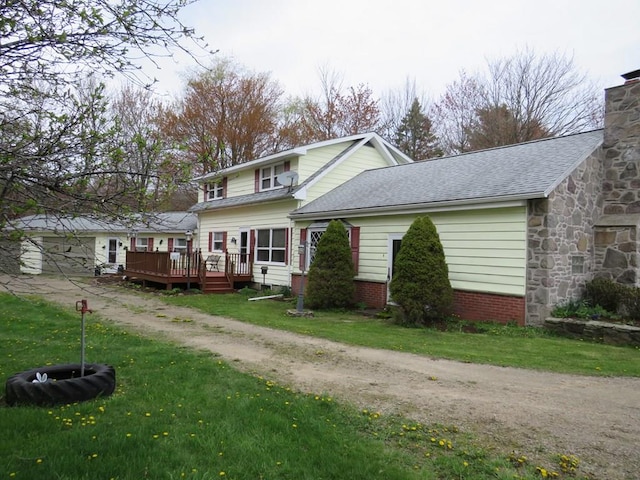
536	414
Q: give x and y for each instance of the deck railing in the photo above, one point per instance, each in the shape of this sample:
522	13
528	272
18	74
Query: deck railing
165	263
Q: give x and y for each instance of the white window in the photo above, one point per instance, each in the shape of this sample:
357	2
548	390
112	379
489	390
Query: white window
142	244
180	244
217	242
268	176
215	191
314	236
271	245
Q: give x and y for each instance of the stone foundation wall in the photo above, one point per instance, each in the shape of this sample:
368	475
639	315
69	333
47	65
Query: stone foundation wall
603	332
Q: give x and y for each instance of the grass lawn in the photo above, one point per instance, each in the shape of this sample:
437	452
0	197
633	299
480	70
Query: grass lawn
178	413
512	346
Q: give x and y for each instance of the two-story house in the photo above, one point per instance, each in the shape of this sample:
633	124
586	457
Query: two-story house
243	210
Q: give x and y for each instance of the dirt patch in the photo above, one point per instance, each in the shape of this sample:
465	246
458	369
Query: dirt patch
534	413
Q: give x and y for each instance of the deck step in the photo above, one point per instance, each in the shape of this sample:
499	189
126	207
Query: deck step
218	285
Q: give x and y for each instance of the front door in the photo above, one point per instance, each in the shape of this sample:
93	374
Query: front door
243	250
394	243
112	251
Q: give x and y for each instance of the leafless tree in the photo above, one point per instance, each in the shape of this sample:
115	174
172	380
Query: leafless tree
522	97
455	113
336	112
394	105
53	123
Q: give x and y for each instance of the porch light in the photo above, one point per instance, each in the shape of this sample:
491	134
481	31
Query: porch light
189	235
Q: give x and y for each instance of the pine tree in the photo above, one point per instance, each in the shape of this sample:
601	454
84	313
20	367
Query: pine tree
414	136
330	283
420	284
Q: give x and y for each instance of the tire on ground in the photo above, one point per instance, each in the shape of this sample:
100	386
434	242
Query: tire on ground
64	385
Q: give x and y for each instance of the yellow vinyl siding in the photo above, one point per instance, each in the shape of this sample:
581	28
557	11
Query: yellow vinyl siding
365	158
485	249
269	215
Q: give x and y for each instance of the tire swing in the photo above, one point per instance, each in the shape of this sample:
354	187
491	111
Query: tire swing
61	384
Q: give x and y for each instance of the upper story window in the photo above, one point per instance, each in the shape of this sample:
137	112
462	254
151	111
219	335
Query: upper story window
214	191
268	176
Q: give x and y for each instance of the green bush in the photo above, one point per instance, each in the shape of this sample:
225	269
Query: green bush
630	301
605	293
420	284
581	309
330	282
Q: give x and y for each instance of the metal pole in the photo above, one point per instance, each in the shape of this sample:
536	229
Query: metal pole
189	265
303	251
82	347
81	305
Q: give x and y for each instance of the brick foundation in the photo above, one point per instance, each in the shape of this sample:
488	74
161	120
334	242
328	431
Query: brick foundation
467	305
372	294
488	306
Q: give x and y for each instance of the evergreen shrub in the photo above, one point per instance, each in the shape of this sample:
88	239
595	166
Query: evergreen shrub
330	280
420	284
605	293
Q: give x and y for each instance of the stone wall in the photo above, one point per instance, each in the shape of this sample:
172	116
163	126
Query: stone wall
603	332
560	245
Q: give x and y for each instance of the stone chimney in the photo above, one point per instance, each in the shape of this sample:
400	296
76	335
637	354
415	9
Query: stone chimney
617	231
621	147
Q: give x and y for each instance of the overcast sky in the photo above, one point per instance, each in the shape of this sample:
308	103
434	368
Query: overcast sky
383	43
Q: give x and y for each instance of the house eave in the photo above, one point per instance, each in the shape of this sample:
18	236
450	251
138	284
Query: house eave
472	204
293	153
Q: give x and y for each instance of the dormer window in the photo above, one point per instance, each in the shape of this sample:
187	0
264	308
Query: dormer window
215	190
268	176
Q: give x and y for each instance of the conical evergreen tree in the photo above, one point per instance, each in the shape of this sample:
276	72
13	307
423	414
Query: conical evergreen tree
330	282
420	284
414	136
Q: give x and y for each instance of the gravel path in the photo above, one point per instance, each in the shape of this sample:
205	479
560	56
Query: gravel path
537	414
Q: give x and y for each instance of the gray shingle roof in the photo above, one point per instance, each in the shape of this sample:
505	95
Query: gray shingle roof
248	199
522	171
166	222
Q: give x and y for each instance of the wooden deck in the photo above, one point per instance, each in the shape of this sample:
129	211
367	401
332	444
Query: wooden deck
189	271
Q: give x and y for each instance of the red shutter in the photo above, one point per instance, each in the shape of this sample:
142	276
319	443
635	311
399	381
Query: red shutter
224	241
252	242
132	244
170	244
355	246
257	180
211	241
287	166
206	190
286	246
224	187
303	238
150	244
